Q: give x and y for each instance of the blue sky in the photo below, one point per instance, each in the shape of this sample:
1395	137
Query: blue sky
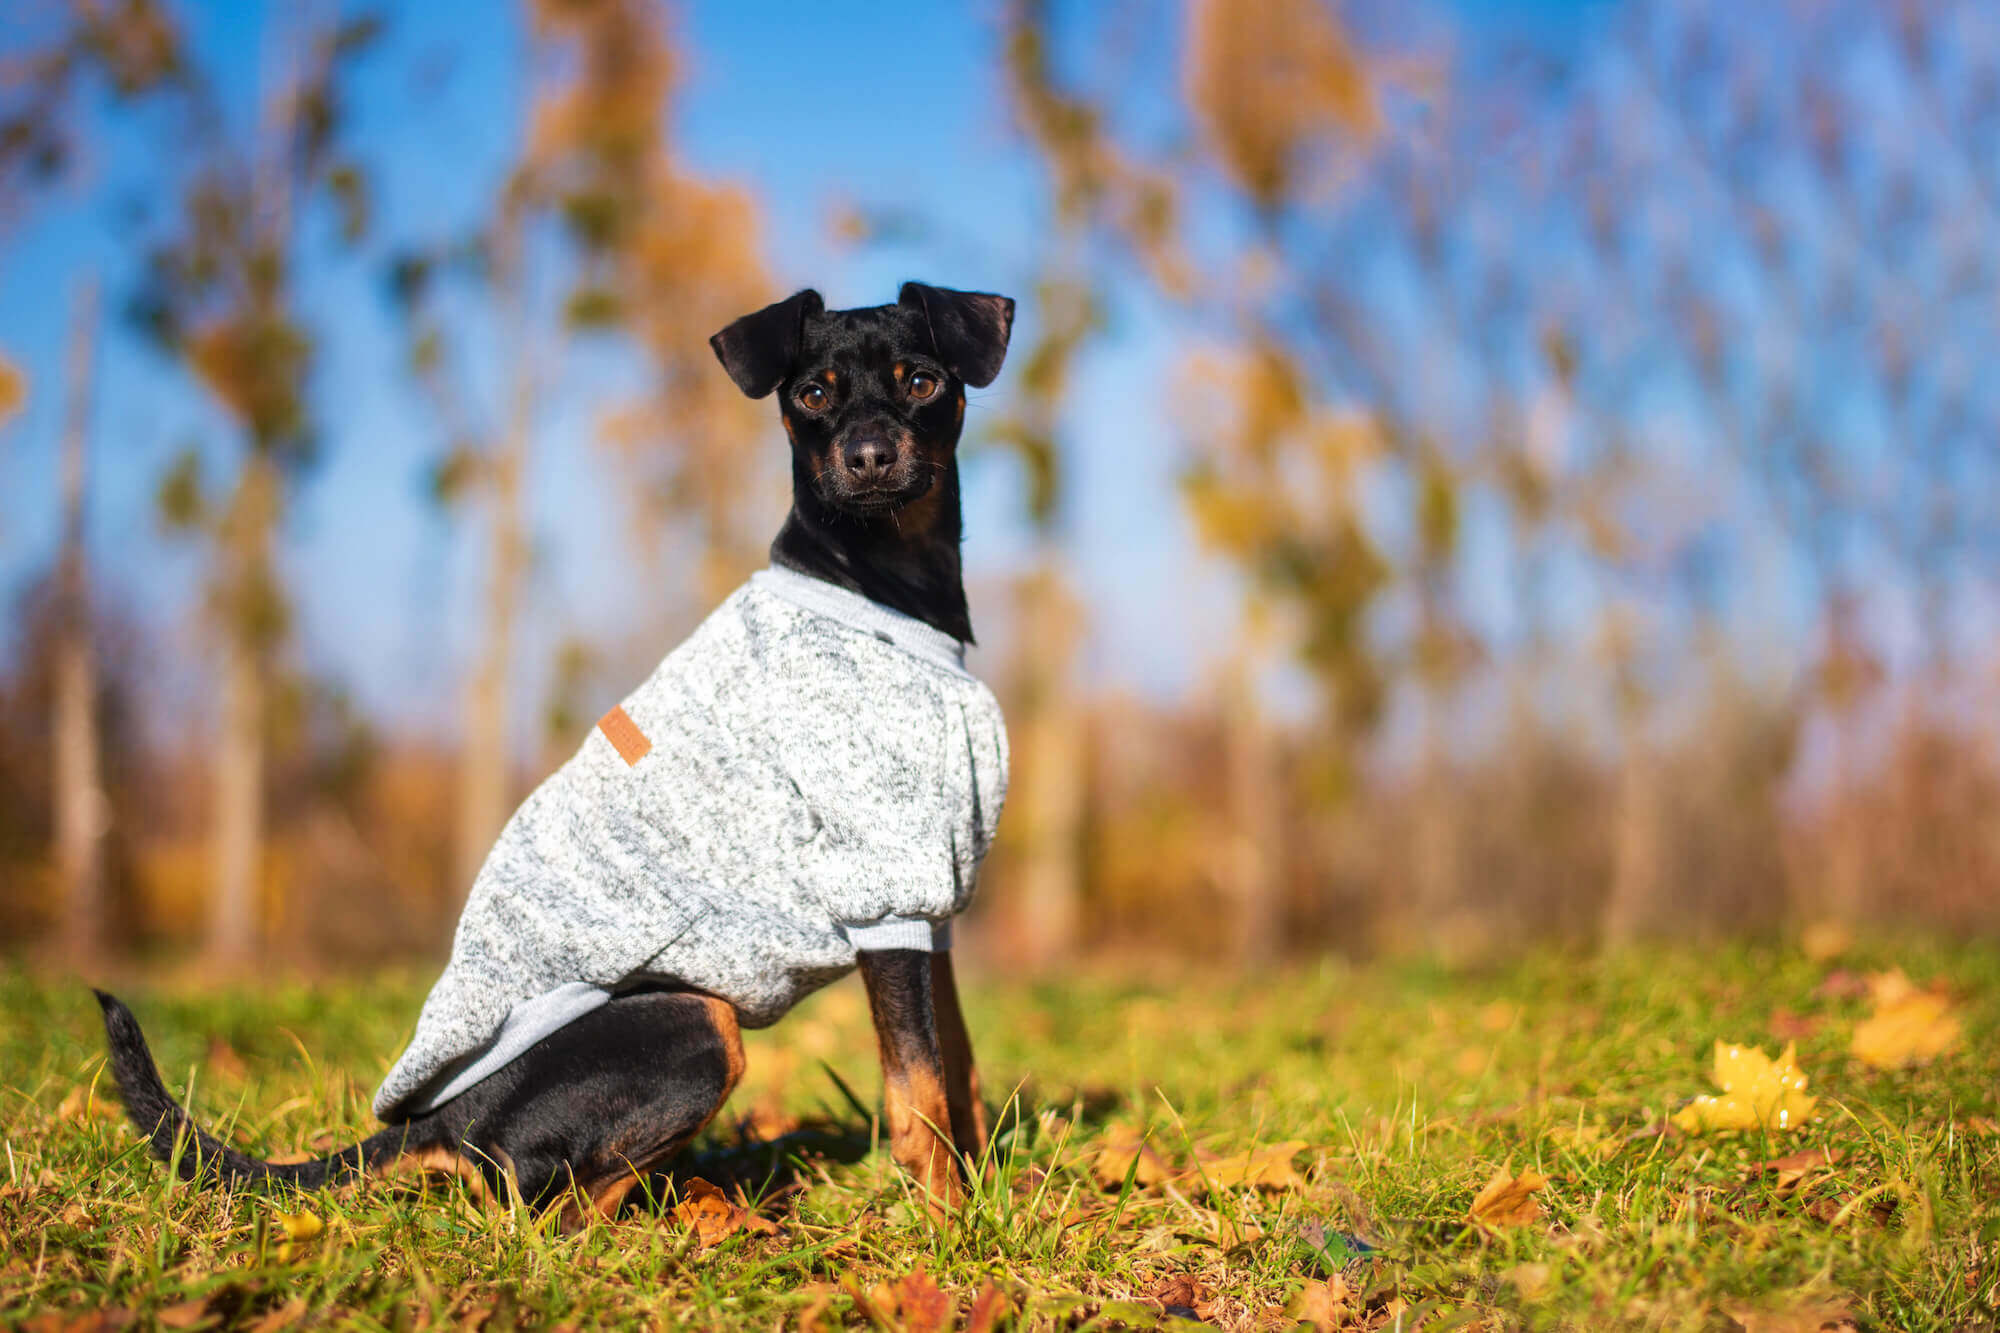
889	104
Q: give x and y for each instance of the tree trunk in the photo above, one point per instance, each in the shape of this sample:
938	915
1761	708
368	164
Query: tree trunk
1256	824
483	786
1443	925
1635	854
239	806
1048	919
247	625
81	810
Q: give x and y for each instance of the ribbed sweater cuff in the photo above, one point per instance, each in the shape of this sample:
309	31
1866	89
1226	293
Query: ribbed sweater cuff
899	932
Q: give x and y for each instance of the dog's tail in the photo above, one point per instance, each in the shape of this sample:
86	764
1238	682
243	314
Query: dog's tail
198	1156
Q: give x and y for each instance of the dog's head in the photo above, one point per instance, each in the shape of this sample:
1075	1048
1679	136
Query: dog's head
872	399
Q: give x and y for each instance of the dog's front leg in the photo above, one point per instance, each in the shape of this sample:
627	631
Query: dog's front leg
961	1075
913	1071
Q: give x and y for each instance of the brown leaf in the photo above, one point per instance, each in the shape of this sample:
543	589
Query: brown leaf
1788	1026
187	1314
1324	1305
1122	1146
1980	1124
714	1218
1794	1167
1265	1168
989	1307
920	1306
223	1060
1508	1200
1183	1294
1799	1319
284	1316
812	1318
1841	984
86	1321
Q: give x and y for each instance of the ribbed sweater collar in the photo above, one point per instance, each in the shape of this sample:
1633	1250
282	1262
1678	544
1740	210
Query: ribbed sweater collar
852	609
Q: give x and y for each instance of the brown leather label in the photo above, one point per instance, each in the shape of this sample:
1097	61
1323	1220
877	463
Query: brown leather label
625	736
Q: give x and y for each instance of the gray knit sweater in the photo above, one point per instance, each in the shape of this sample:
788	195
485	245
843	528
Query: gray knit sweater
809	774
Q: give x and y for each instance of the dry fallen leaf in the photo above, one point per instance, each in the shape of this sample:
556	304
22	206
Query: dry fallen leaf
714	1218
1183	1295
1788	1026
1757	1093
1325	1305
186	1314
1265	1168
1794	1167
283	1316
1909	1027
989	1307
1801	1319
1508	1200
919	1303
108	1320
224	1061
1122	1146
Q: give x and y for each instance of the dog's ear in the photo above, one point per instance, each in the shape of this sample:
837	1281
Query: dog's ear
969	329
758	350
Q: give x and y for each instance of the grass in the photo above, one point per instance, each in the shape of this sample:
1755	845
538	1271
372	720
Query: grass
1410	1088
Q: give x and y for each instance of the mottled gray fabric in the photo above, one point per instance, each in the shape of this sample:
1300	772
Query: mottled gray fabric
823	774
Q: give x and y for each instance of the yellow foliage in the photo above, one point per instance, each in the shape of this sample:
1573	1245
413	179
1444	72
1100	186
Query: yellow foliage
13	390
1270	82
1909	1027
1757	1093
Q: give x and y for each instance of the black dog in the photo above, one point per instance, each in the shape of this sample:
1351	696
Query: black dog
873	401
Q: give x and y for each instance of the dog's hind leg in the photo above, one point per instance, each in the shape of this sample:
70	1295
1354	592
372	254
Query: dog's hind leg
597	1105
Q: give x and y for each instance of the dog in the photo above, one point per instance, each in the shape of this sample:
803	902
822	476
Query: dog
804	787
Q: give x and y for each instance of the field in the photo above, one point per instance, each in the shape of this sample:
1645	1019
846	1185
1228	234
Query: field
1316	1144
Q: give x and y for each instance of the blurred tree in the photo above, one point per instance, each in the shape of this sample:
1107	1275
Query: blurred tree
82	810
645	251
218	295
1637	313
134	50
1048	719
666	260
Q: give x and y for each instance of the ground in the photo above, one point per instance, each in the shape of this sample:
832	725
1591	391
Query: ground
1376	1105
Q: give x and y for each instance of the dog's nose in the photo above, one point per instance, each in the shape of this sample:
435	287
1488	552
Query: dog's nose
868	456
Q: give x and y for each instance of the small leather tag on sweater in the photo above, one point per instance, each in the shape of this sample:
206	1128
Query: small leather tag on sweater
625	736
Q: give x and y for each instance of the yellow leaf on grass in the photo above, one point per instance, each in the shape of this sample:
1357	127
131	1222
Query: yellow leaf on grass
1509	1200
1757	1093
299	1228
1909	1027
1123	1146
1265	1168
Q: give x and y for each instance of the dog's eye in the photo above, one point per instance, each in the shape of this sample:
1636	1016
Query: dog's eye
923	385
812	398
